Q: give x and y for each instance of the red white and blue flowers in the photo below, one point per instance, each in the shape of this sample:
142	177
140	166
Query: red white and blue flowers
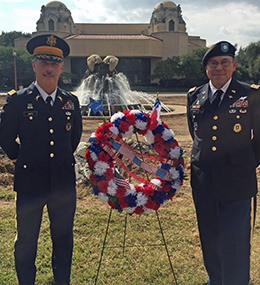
109	186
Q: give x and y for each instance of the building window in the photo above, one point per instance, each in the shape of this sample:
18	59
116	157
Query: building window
51	25
171	25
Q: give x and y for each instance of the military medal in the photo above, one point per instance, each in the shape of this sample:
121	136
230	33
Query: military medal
237	128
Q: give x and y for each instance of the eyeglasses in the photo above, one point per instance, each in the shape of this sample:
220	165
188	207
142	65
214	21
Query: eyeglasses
214	63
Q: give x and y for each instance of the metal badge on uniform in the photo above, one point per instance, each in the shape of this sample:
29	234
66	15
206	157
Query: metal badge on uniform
237	128
243	111
68	127
29	106
69	105
232	111
37	97
68	113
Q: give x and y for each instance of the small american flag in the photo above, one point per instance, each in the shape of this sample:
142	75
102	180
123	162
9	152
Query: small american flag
155	114
120	181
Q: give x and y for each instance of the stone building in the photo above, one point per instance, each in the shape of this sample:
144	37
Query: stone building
137	46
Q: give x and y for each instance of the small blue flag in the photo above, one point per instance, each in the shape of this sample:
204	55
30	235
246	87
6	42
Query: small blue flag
95	106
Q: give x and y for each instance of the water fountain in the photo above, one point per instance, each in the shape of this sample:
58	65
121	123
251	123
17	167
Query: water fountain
102	81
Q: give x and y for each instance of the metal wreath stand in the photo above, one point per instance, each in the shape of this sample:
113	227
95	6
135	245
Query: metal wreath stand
124	240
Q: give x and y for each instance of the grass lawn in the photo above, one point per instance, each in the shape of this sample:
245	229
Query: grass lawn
143	260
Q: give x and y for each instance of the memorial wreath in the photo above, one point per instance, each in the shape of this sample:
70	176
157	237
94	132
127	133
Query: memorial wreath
109	185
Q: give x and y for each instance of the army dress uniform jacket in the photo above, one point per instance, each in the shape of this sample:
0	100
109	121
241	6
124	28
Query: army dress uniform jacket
47	137
226	142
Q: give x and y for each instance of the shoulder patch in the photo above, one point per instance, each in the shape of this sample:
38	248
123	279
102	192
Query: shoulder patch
192	89
255	86
12	92
73	94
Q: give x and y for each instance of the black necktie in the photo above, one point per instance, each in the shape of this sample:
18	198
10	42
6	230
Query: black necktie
48	100
217	99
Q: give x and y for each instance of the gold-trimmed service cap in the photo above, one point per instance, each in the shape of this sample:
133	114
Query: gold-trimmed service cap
219	49
48	47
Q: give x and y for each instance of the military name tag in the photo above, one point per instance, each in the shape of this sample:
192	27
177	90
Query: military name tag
68	127
237	128
30	113
195	111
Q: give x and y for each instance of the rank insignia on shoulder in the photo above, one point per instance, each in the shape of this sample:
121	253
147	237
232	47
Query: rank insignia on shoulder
73	94
12	92
255	86
192	89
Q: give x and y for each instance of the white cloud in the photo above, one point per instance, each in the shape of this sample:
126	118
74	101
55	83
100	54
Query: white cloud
238	23
99	11
235	21
11	1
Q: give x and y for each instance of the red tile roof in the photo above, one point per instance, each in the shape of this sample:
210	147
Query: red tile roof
112	37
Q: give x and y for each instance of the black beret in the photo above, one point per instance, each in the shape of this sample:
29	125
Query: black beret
219	49
48	47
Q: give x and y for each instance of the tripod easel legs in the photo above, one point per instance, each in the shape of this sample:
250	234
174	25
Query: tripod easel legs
124	241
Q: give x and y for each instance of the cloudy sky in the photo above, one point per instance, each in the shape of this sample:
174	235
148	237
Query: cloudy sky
234	20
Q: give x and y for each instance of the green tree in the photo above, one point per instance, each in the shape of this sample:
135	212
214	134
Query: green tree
166	70
24	69
184	70
248	67
7	39
191	68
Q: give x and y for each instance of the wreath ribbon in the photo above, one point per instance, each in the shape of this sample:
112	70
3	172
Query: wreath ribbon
149	168
122	142
121	164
